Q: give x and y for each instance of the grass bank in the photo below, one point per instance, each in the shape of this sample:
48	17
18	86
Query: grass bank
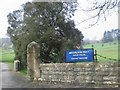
108	50
7	56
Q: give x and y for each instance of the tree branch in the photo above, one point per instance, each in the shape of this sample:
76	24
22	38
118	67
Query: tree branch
101	8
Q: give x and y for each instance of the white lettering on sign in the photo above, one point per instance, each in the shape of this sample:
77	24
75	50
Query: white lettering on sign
74	58
79	58
85	51
79	52
82	55
83	58
75	52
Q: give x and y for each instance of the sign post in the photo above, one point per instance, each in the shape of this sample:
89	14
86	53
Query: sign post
95	55
82	55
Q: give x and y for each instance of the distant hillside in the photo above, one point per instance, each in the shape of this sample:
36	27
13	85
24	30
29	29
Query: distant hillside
5	42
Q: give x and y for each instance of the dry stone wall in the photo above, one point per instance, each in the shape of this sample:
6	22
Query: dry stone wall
84	74
91	74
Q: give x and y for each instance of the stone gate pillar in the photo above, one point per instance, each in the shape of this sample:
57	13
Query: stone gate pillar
33	60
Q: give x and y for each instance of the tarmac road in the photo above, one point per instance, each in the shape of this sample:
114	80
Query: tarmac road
11	79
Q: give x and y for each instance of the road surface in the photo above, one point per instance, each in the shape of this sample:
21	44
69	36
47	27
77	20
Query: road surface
11	79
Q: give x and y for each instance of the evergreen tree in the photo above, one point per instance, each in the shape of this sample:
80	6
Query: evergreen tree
110	36
48	24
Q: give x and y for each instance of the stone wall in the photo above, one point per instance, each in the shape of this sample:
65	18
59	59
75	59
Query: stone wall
84	74
91	74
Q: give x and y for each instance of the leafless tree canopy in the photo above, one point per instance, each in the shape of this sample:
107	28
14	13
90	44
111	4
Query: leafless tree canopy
100	8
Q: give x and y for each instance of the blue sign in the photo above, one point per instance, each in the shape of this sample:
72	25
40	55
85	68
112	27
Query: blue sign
82	55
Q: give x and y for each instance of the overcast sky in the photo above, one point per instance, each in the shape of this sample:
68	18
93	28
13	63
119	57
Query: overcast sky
95	32
7	6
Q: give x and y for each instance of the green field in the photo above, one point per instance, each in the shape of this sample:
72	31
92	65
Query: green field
6	55
109	50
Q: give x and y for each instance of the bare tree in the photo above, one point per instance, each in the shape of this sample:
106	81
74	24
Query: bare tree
99	8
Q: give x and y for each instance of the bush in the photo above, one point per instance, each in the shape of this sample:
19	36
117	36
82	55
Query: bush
114	43
102	45
92	45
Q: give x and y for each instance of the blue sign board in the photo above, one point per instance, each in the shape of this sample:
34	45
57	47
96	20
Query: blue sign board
82	55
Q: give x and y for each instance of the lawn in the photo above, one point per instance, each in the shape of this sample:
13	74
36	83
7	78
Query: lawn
6	56
109	50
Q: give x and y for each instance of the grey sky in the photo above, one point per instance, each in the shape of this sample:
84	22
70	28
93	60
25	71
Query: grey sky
95	32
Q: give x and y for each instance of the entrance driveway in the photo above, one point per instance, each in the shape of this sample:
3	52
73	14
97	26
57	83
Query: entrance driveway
11	79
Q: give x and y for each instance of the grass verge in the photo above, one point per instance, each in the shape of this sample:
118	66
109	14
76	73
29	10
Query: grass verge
108	51
8	57
24	72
